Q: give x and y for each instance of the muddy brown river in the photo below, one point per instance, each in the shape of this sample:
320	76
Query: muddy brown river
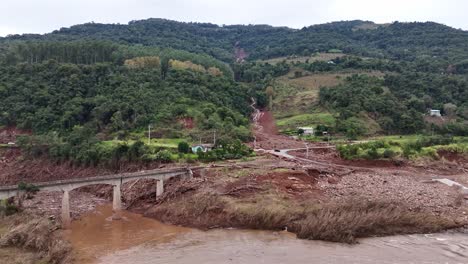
97	239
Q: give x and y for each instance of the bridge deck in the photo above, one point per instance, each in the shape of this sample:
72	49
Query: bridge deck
99	178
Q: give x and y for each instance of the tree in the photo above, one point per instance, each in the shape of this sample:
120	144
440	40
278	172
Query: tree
450	109
183	147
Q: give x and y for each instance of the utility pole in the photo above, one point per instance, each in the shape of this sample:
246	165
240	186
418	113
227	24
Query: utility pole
149	133
307	148
214	138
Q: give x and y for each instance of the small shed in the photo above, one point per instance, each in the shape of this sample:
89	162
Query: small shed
434	112
202	148
307	130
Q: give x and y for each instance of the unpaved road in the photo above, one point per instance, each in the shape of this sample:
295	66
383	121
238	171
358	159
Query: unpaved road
341	180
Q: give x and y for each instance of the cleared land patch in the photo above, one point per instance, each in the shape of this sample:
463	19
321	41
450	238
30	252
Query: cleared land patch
296	99
292	122
297	95
316	57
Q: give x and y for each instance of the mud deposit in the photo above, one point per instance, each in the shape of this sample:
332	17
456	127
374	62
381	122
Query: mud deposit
96	234
138	240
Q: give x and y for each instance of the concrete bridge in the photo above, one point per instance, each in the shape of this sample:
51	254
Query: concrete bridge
115	180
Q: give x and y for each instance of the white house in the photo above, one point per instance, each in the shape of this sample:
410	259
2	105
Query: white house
307	130
202	148
434	112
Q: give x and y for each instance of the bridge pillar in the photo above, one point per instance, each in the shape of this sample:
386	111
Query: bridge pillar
189	174
159	188
19	199
66	218
116	203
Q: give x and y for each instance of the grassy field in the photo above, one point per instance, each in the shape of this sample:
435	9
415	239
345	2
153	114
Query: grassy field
292	122
315	57
296	99
297	95
300	95
408	146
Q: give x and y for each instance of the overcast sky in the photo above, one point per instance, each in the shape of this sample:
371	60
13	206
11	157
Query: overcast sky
42	16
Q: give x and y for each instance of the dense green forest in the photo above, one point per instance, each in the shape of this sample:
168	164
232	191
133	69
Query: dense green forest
106	81
74	95
400	41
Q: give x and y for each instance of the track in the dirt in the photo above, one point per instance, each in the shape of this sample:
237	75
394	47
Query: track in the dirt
269	141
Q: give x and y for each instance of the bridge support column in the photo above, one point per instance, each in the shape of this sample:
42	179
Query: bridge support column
116	203
19	199
66	218
189	174
159	188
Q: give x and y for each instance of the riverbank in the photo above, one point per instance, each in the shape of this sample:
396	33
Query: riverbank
319	205
34	235
338	206
28	238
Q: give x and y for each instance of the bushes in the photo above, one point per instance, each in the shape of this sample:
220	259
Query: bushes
28	187
84	149
163	156
381	149
229	150
389	154
370	150
8	208
183	147
88	151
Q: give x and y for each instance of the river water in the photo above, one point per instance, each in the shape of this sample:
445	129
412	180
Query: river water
97	239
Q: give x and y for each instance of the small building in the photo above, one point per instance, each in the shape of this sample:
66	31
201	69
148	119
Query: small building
434	112
307	130
202	148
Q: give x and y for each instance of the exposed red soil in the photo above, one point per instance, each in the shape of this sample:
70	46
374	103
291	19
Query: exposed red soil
267	121
293	183
452	156
187	122
15	169
240	53
9	134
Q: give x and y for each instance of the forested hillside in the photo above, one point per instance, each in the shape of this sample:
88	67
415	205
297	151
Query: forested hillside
408	41
102	82
77	95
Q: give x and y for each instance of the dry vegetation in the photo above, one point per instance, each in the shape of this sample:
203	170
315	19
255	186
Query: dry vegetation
344	222
35	237
288	199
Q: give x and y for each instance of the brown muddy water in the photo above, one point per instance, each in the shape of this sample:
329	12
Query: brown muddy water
97	239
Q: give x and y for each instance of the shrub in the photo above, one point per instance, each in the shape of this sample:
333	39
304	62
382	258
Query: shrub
28	187
136	150
7	208
163	156
372	153
429	152
389	154
183	147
